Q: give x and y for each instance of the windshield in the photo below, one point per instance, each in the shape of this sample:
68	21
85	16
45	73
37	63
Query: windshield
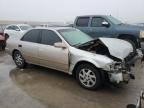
114	20
23	28
74	37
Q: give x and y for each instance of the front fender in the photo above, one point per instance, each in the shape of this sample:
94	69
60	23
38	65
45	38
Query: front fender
97	64
74	64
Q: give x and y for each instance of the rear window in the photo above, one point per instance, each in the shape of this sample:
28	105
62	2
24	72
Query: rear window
32	36
82	21
23	28
9	28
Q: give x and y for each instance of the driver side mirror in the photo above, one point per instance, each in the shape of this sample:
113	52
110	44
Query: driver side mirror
17	29
60	45
105	24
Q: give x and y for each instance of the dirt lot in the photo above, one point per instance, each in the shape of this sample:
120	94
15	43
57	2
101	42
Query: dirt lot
38	87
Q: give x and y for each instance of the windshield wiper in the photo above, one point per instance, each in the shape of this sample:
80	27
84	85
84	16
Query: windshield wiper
83	44
77	44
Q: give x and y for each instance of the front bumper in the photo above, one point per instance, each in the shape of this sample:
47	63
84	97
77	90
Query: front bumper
122	72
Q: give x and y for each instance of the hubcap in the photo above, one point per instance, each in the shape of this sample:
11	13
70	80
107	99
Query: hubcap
87	77
18	59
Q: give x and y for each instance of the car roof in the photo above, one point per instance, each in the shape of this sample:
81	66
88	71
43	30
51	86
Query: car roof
17	25
54	28
93	15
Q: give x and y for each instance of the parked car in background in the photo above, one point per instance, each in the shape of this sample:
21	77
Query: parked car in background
108	26
16	30
2	39
1	30
69	50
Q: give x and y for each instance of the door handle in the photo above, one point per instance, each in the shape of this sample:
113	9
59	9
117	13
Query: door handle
19	45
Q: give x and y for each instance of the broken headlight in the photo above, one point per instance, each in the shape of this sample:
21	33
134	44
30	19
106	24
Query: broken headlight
116	67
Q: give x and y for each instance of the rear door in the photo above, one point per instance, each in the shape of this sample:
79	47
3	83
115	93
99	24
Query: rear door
82	23
51	56
29	46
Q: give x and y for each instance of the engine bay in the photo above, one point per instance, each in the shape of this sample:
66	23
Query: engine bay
98	47
95	46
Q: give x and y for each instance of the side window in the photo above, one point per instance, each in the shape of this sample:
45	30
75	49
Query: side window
15	28
49	37
32	36
82	22
97	22
9	28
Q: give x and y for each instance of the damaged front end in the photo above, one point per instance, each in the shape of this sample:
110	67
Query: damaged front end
121	71
121	52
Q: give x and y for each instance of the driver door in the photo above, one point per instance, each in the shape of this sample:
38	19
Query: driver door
98	30
51	56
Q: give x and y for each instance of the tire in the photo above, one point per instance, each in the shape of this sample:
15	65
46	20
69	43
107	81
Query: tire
88	77
19	60
6	36
133	45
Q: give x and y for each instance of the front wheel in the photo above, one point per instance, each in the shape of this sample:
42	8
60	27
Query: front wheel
88	76
19	60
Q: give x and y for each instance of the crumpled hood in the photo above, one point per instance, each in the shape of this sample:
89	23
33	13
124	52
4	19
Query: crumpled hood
117	48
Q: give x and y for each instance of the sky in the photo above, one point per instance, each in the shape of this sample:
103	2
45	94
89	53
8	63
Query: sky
66	10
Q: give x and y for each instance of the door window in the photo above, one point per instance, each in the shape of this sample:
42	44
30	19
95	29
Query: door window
15	28
9	28
82	22
49	37
97	22
32	36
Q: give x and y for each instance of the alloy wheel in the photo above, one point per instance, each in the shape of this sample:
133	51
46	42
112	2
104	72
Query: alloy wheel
87	77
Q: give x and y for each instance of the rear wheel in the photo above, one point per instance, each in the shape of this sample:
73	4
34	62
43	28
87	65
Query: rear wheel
19	60
6	36
88	76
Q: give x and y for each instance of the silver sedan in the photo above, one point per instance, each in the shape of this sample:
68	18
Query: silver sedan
91	61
